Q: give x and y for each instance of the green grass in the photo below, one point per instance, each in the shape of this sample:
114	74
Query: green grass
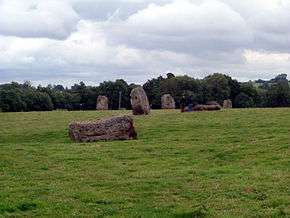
233	163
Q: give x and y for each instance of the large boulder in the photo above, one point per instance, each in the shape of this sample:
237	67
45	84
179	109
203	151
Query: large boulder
227	104
167	102
102	103
139	101
200	107
212	103
114	128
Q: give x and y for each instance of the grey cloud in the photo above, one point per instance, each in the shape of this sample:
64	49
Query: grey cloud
272	29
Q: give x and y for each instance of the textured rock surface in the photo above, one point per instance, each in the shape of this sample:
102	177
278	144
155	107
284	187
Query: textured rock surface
227	104
201	107
167	102
212	103
102	103
139	101
114	128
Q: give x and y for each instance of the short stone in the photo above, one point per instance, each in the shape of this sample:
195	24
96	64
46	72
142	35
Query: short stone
167	102
102	103
227	104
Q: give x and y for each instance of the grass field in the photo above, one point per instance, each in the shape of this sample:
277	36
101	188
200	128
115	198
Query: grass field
233	163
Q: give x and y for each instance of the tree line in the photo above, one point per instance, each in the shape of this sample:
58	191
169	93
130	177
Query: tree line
15	97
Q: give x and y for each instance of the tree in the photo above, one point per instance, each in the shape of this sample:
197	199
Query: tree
279	78
279	94
84	97
251	91
242	100
182	85
262	93
235	87
218	88
38	101
11	101
170	75
153	90
58	88
112	90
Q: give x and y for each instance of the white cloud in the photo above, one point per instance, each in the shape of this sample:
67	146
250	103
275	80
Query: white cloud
37	18
96	40
183	26
272	27
267	62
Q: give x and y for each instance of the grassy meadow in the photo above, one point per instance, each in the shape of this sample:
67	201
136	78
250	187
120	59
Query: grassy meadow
230	163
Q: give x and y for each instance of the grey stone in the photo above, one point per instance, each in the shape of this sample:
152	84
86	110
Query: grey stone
227	104
139	101
102	103
201	107
167	102
114	128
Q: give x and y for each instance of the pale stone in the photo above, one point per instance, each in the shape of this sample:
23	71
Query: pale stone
102	103
114	128
139	101
167	102
227	104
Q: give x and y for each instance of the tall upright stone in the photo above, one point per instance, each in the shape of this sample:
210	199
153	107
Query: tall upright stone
139	101
102	103
227	104
167	102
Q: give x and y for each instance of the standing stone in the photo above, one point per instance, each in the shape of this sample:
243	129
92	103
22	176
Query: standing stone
167	102
102	103
227	104
139	101
114	128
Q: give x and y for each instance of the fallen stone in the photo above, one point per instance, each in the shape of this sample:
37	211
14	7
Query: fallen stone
139	101
102	103
167	102
201	107
212	103
114	128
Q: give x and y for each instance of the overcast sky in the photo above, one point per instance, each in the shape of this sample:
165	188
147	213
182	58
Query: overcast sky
68	41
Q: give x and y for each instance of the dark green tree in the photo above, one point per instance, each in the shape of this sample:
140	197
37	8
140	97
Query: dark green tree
235	87
217	87
279	94
242	100
12	101
183	85
153	90
113	90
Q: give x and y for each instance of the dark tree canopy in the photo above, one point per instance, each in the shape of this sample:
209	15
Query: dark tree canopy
278	94
153	89
217	87
16	97
243	100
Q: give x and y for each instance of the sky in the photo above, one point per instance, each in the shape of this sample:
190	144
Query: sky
68	41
